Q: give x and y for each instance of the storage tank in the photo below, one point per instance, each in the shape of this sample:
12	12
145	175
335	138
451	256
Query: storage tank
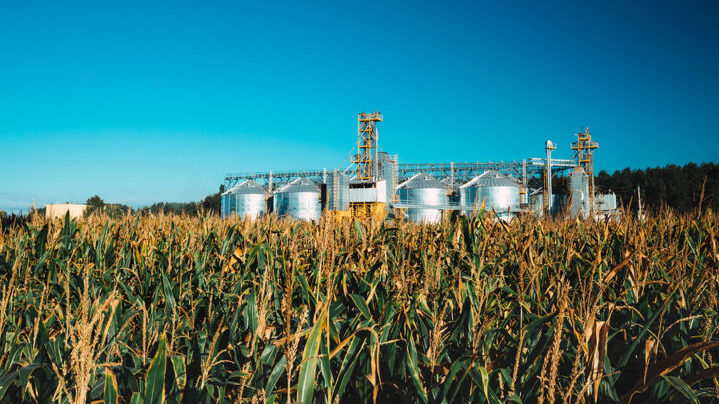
498	192
579	193
536	202
423	190
300	199
224	204
387	172
338	190
228	202
248	199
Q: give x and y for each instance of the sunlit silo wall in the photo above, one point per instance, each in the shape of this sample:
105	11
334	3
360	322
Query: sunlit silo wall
423	190
249	199
559	203
300	199
605	202
498	192
228	202
388	174
224	205
338	190
579	193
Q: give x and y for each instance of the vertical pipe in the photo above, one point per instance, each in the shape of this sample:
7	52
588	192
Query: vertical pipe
396	174
269	186
375	173
451	174
549	147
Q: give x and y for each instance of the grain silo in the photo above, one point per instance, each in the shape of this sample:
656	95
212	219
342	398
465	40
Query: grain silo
224	204
248	199
228	204
498	192
300	199
579	197
423	191
338	190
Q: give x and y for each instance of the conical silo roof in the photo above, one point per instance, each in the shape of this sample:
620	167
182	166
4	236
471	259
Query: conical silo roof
491	178
299	185
246	187
422	180
447	181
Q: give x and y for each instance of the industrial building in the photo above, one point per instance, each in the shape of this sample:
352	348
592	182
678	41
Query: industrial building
375	186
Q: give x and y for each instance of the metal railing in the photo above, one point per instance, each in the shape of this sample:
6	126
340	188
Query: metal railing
457	172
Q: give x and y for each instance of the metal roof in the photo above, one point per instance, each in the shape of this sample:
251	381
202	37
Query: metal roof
299	185
491	178
422	180
246	187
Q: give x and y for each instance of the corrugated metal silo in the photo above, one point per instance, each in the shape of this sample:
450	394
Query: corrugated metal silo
388	173
300	199
229	202
249	199
579	193
338	191
498	192
536	202
224	204
423	190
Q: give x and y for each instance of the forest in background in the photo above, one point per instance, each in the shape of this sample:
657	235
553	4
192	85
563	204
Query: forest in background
676	187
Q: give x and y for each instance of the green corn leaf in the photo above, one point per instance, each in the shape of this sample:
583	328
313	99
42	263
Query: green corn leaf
5	382
358	230
136	399
485	381
412	367
155	381
178	366
275	375
169	296
325	364
110	391
306	380
683	388
347	367
361	305
252	311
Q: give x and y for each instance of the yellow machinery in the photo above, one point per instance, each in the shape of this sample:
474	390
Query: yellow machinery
584	147
368	211
340	215
367	169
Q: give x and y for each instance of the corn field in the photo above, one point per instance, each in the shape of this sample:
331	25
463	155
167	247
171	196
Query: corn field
177	309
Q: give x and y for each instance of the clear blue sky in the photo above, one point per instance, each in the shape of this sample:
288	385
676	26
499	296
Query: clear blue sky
149	101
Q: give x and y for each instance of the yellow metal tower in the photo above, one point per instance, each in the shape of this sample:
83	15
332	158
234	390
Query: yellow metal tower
584	147
367	145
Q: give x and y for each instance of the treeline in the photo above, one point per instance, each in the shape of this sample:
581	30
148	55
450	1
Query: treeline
211	204
676	187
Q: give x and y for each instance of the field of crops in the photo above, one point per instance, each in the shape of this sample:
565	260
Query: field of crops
202	310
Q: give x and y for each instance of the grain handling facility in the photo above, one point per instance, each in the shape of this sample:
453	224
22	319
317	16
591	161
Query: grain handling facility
375	185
